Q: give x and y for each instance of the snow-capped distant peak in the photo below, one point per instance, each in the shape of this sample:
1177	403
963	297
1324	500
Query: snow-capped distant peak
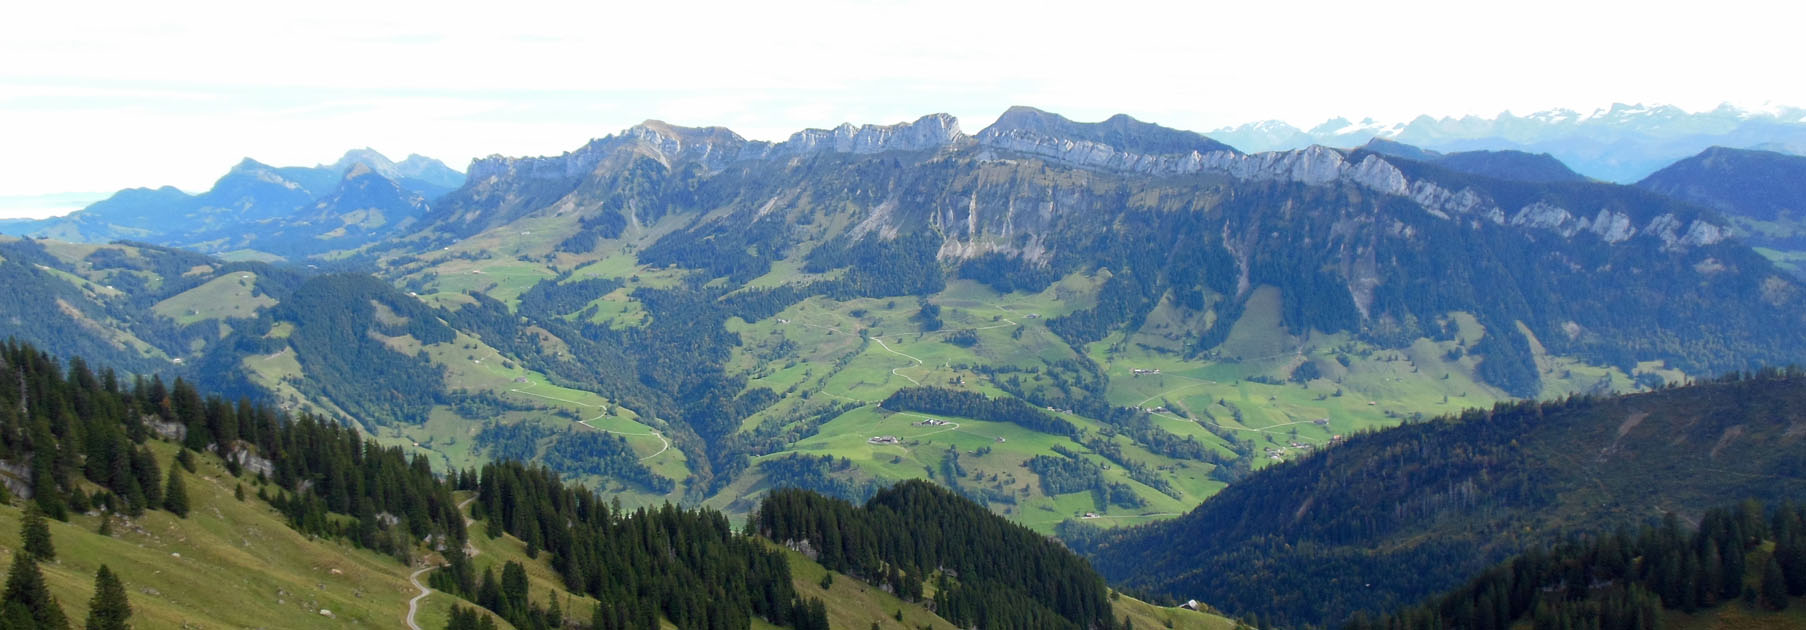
1555	116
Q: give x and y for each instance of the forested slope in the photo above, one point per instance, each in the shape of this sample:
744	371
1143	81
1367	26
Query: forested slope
1748	557
1392	516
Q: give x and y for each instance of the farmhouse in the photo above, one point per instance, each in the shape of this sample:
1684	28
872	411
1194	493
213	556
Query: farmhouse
885	439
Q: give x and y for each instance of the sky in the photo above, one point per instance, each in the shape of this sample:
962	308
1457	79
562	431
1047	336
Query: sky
98	96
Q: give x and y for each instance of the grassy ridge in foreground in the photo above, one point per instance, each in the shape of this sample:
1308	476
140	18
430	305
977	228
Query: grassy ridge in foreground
229	564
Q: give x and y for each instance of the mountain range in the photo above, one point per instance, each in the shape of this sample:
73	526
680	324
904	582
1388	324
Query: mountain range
1068	324
1622	143
739	310
263	210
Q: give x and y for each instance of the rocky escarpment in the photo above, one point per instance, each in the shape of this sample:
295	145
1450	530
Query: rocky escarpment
716	147
1120	132
1118	144
1317	165
927	133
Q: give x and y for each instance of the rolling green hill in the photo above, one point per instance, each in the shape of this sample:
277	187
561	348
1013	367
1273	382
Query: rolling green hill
1389	517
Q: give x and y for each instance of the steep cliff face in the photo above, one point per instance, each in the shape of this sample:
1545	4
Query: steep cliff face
1321	166
928	133
717	147
1005	220
502	189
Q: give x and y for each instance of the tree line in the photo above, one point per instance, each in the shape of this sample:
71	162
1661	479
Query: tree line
988	571
964	404
1623	580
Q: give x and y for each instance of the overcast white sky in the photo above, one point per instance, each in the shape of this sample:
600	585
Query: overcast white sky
97	96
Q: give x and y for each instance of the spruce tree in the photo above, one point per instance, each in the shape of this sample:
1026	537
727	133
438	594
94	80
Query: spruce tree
25	589
144	466
603	618
554	615
109	609
35	531
1773	586
175	495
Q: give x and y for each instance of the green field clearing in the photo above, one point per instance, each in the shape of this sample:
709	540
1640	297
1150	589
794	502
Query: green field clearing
502	280
1000	468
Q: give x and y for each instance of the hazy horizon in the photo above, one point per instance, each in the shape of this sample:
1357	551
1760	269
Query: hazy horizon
136	95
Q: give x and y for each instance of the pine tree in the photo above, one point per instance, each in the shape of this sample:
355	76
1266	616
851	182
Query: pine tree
554	615
35	531
1774	585
175	495
25	588
144	467
109	609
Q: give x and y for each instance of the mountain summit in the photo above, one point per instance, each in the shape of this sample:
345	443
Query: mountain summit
1120	132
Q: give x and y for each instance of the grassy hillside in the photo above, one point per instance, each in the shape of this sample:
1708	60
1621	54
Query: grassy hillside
229	564
237	563
1264	395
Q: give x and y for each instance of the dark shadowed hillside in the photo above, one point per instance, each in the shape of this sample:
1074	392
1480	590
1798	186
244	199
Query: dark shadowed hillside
1390	517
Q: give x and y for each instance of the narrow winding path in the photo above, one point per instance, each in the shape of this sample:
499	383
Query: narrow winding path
886	347
654	433
414	578
586	423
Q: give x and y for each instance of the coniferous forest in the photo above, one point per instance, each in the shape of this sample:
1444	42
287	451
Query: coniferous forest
1394	516
1623	580
987	571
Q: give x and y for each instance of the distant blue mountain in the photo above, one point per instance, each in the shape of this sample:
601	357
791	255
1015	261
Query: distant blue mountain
289	211
1508	165
1622	143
